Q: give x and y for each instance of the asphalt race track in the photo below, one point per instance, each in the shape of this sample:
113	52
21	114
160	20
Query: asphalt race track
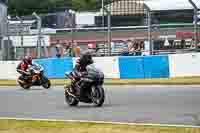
137	104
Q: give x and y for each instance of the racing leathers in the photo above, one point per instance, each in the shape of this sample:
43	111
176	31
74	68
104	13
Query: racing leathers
22	69
80	71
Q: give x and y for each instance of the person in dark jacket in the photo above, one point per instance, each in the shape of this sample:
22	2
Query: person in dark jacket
80	68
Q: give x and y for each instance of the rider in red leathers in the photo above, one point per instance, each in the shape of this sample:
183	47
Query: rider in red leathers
23	66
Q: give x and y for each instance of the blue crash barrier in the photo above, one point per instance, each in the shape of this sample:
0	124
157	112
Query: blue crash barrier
156	67
144	67
129	66
56	68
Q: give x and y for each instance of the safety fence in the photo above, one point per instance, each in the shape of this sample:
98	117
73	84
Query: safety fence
126	67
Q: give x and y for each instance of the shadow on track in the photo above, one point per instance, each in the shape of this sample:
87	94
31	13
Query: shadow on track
89	106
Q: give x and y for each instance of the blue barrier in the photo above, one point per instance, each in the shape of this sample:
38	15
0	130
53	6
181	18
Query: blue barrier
156	67
56	68
131	67
144	67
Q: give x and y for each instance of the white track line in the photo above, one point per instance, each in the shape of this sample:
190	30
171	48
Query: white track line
98	122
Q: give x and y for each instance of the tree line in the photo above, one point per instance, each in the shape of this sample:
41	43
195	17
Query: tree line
27	7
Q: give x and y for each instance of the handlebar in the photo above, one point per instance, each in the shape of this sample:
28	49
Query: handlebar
67	74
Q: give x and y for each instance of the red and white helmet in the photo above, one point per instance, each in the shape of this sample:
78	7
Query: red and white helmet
28	59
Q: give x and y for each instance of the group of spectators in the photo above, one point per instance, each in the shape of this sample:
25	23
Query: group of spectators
127	48
132	48
67	50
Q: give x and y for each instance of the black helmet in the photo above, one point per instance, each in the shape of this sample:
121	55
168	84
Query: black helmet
86	58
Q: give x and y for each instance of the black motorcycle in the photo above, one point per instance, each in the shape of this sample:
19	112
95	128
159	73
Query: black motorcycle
37	74
91	90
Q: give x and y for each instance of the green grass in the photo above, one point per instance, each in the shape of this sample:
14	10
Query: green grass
156	81
25	126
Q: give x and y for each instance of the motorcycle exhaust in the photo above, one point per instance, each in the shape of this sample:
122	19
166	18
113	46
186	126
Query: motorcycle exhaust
72	95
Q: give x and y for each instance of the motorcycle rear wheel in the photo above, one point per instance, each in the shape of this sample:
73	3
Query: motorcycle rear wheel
98	95
47	85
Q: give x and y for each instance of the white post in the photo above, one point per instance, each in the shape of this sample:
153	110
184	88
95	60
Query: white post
109	37
39	26
102	6
195	22
149	28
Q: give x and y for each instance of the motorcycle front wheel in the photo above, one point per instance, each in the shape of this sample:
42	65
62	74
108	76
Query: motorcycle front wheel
70	100
24	86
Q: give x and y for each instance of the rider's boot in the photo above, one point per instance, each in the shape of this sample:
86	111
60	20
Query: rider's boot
79	88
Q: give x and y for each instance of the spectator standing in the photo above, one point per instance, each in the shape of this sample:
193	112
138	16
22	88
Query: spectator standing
77	50
138	49
124	48
131	47
182	43
67	50
58	53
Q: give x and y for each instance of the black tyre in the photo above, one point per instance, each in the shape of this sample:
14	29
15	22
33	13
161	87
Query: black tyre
70	100
27	87
24	86
98	95
47	84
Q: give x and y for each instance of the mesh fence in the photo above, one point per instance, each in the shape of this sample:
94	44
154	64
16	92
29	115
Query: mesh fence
3	16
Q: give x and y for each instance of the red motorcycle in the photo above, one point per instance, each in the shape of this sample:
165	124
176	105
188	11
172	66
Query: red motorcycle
37	74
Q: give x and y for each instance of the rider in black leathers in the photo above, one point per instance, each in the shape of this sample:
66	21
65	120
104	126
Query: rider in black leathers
80	69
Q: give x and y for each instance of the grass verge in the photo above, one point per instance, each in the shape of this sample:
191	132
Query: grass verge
25	126
155	81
